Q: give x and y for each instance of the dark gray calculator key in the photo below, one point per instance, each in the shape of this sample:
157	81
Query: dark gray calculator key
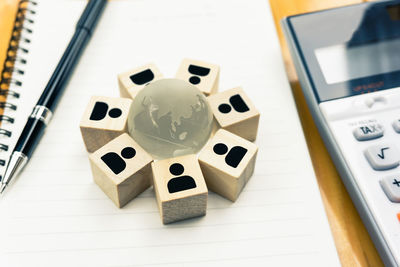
368	132
396	126
391	187
382	157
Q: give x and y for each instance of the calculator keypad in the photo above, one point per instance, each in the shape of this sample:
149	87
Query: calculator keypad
383	156
368	142
391	187
368	132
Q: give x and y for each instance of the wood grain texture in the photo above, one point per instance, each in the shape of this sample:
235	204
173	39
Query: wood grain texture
129	86
225	166
104	119
207	79
353	243
180	188
238	116
122	169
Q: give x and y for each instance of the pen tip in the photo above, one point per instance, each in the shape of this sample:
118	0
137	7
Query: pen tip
2	188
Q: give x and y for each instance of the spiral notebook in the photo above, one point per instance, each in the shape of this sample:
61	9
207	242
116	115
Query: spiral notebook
27	68
54	215
12	72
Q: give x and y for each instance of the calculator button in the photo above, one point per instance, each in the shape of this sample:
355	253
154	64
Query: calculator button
391	187
368	132
371	101
382	157
396	125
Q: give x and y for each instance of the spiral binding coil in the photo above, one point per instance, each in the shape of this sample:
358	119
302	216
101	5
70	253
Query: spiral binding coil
14	62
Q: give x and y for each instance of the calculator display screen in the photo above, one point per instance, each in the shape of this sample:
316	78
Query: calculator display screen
349	51
344	62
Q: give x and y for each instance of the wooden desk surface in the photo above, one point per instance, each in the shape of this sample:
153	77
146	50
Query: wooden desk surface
351	238
353	243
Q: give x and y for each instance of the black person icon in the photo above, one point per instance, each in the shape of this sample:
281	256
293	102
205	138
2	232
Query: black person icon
143	77
204	75
235	112
234	156
132	81
181	183
115	162
105	118
237	102
122	169
227	163
100	109
180	188
199	71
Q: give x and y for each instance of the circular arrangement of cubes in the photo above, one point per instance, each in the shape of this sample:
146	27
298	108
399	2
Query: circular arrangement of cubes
123	169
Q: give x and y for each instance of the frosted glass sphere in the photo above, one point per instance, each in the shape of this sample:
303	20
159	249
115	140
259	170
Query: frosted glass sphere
170	117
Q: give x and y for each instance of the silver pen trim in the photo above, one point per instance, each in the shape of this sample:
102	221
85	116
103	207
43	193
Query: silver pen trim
14	166
41	113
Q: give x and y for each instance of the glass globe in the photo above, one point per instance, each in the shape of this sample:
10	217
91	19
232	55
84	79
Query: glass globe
169	118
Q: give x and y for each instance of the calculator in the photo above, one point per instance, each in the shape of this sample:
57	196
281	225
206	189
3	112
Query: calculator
348	63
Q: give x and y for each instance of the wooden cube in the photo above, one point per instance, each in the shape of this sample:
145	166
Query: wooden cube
227	162
122	169
234	112
203	75
131	82
180	188
104	119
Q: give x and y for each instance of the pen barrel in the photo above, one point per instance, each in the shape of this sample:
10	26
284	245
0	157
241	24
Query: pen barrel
30	136
34	128
90	15
62	73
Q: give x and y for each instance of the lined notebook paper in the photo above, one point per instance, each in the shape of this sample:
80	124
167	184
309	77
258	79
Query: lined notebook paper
54	214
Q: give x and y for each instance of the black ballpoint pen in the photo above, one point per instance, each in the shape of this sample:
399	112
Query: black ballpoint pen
42	112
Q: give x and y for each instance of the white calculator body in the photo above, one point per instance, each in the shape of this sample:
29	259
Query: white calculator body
348	63
367	131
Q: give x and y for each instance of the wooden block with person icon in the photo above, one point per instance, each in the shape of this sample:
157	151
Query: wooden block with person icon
122	169
104	119
227	162
132	81
234	112
201	74
180	188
